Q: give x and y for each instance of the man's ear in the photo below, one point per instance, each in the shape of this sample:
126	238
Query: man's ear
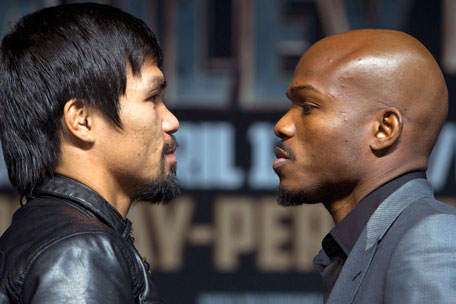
77	120
387	130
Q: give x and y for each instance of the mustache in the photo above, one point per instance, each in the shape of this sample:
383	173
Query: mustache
289	153
171	145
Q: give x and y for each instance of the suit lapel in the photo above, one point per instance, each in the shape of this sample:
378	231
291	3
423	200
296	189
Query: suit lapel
360	257
352	273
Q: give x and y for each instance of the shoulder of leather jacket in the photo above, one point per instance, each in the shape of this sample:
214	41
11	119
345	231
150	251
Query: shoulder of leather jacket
64	262
53	241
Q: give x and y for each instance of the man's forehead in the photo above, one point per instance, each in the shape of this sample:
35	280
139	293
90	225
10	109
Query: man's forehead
329	77
347	46
340	60
335	66
148	79
310	77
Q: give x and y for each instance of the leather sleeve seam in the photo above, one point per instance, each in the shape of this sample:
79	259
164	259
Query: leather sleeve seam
38	252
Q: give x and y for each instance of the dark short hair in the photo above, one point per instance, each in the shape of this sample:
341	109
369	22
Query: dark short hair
72	51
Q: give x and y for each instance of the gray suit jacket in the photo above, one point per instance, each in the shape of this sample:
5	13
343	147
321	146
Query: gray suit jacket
405	254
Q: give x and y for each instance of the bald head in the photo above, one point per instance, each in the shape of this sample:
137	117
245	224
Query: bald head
374	70
366	107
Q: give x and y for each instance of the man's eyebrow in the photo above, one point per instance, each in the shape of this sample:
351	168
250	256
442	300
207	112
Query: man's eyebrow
296	89
158	83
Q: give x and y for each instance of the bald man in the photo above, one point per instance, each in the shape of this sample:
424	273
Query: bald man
366	110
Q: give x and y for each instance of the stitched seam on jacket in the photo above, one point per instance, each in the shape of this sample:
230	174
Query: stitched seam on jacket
16	289
84	202
1	261
70	203
34	256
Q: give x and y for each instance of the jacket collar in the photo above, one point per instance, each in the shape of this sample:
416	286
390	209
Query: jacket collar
393	206
70	189
360	257
348	230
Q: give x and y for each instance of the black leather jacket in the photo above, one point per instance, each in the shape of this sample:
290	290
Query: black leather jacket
68	245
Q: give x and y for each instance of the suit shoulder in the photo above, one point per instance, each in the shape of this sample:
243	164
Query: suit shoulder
424	235
422	265
424	224
433	226
425	211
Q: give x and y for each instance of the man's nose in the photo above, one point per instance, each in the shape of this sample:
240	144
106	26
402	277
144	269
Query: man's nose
170	123
285	128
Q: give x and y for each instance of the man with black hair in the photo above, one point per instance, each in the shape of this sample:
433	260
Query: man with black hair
85	133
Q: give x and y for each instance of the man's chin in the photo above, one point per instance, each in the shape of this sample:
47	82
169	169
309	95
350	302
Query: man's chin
161	191
294	197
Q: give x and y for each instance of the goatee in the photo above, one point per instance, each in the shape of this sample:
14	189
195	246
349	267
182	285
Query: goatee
162	190
287	197
165	188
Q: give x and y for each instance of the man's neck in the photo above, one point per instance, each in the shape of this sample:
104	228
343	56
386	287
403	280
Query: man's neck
340	208
99	183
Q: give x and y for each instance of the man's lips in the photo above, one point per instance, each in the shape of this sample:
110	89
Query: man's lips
169	149
282	158
171	157
281	153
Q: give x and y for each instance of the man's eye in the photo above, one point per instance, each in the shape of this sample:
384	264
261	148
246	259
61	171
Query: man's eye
152	98
307	107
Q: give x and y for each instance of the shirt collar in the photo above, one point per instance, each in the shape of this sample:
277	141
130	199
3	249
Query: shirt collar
70	189
347	231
